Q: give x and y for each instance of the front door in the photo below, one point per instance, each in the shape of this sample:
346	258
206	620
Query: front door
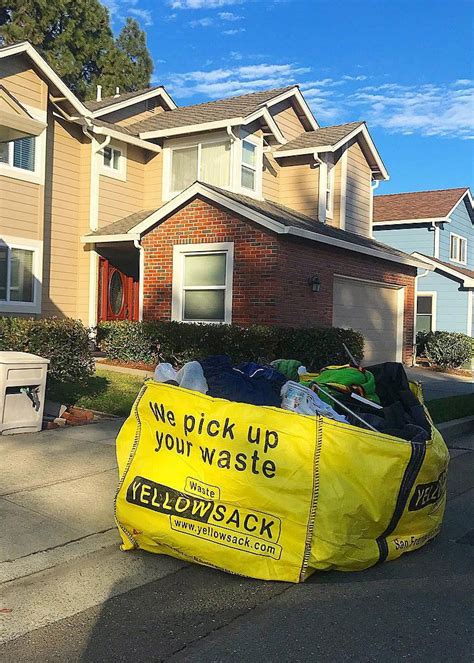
118	293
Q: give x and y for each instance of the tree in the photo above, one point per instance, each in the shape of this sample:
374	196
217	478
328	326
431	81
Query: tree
75	38
129	66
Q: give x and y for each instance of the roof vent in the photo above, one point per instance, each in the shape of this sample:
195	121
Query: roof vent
98	96
117	92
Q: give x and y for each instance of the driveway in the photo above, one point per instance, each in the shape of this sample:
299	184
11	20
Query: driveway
441	385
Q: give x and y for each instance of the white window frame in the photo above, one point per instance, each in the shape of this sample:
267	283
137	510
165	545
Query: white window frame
434	302
329	190
243	165
187	142
182	250
37	175
36	247
119	173
458	243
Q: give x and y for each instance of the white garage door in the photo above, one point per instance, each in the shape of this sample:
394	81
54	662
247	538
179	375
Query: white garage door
376	311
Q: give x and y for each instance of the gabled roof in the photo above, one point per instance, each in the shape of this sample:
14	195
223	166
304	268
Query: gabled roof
116	102
331	139
209	111
321	137
466	276
15	120
418	205
275	217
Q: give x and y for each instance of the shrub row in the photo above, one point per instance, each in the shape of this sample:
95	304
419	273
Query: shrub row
179	342
445	349
63	341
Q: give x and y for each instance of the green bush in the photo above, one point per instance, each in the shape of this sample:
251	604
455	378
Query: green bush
179	342
445	349
65	342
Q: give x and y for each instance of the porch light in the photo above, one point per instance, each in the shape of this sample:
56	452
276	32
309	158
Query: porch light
315	283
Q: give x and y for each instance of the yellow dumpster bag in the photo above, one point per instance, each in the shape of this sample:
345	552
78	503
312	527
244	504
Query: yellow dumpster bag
268	493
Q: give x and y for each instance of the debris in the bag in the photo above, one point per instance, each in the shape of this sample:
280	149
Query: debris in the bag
344	407
290	368
366	401
301	399
164	372
246	383
346	379
191	376
352	359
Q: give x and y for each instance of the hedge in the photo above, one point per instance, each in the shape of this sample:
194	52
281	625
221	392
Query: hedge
65	342
178	342
445	349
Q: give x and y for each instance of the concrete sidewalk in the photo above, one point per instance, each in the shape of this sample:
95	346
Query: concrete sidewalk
440	385
56	487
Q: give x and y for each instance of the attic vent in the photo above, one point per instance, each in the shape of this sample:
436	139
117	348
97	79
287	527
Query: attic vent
151	104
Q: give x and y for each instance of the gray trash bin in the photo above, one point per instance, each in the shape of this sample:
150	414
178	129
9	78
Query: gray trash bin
22	389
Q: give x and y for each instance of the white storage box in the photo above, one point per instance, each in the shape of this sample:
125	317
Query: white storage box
22	389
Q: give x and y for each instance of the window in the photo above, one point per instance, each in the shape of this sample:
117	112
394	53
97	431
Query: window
249	165
425	313
19	153
202	282
207	162
458	249
16	275
330	190
112	157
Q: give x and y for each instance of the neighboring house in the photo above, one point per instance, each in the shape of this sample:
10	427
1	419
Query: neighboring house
238	210
438	227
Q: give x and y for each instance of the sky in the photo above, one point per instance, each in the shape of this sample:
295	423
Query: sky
406	67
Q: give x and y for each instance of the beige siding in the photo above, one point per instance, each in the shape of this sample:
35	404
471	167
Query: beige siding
83	250
24	83
118	199
131	114
358	191
271	178
287	120
21	212
299	186
153	185
63	194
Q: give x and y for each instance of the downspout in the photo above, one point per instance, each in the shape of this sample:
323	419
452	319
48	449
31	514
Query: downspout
141	275
373	185
418	276
93	223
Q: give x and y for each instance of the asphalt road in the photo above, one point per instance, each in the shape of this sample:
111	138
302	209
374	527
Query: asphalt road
418	608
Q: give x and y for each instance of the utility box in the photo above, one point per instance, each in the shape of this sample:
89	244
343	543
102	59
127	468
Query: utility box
22	392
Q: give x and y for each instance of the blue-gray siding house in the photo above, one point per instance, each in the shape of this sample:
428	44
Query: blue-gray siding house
437	226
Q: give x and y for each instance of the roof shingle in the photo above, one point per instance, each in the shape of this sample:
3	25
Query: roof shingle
279	213
210	111
323	136
416	205
110	101
457	268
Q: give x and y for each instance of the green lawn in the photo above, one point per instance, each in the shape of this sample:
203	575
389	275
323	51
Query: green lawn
453	407
106	391
112	392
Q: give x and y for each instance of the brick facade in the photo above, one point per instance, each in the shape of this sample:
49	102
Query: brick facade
270	271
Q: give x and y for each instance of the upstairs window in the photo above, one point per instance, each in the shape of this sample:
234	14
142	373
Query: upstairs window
458	249
19	153
112	158
330	190
249	166
207	162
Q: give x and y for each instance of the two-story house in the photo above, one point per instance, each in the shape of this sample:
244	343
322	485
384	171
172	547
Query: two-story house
438	227
239	210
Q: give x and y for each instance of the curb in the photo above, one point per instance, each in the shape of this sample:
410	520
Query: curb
450	430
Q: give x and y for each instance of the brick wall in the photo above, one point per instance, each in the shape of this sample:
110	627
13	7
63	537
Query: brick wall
270	272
